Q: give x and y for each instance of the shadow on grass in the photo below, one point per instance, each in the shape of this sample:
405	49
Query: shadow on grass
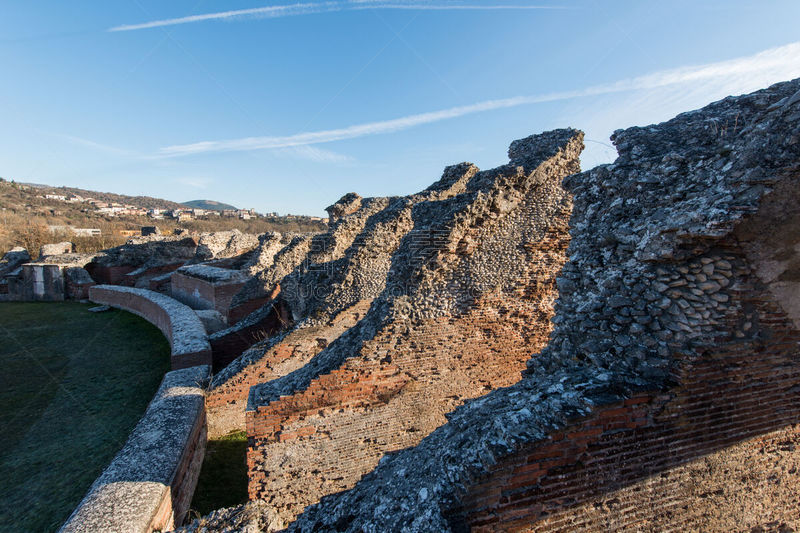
73	386
223	478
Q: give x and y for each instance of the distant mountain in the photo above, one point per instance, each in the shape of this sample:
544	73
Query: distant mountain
210	205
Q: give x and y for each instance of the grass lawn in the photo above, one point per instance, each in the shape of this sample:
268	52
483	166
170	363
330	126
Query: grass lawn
72	387
223	478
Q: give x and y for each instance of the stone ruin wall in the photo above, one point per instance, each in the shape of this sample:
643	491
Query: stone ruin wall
714	451
326	282
477	300
278	356
667	396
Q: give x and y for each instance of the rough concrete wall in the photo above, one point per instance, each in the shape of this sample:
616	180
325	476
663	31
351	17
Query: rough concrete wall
672	367
469	284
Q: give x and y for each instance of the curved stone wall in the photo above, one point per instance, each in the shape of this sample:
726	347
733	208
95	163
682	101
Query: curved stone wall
149	484
178	322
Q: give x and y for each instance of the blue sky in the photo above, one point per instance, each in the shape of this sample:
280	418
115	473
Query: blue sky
286	106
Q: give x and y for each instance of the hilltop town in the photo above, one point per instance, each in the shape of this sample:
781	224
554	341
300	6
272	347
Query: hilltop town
33	215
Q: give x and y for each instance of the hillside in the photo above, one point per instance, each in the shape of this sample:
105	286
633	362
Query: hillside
29	218
210	205
147	202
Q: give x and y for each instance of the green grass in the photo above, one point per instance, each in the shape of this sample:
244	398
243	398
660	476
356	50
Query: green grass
72	387
223	478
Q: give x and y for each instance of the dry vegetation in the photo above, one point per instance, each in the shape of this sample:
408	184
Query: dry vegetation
24	220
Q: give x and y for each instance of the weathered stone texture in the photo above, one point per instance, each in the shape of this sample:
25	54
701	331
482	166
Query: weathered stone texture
36	282
667	396
463	281
224	244
58	248
13	259
267	360
77	283
149	484
179	323
206	287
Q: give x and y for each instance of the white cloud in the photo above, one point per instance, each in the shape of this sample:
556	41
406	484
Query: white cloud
322	7
318	155
730	77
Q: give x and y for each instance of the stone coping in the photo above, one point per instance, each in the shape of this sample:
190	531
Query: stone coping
213	274
179	323
149	483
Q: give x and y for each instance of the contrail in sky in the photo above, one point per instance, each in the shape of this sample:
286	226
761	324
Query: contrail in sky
734	76
321	7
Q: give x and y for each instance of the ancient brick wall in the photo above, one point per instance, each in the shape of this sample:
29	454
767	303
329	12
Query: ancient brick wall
667	397
265	361
229	343
206	287
469	297
325	437
719	451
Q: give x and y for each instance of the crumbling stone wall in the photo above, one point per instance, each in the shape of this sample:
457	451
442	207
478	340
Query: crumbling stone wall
36	282
281	255
224	244
466	272
10	268
58	248
206	287
141	258
325	282
667	396
267	360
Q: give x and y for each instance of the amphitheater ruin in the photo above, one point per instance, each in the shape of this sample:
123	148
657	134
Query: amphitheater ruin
526	348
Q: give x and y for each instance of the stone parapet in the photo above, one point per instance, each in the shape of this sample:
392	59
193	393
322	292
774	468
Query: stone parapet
149	484
179	324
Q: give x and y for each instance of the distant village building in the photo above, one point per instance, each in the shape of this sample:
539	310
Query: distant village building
87	232
80	232
56	197
127	232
